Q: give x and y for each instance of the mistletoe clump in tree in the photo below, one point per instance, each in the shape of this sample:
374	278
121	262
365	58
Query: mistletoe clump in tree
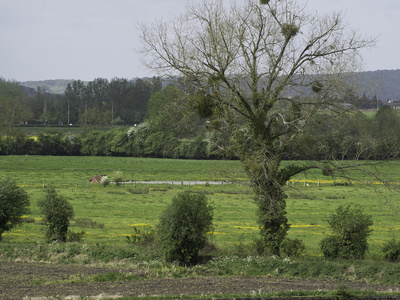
242	65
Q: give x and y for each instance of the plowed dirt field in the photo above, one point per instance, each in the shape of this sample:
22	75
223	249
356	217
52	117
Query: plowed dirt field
20	280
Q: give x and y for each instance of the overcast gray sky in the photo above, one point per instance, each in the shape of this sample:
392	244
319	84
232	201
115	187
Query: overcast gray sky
87	39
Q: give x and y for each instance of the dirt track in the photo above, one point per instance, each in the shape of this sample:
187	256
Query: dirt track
29	280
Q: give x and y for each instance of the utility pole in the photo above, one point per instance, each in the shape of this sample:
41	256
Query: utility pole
45	112
86	114
68	111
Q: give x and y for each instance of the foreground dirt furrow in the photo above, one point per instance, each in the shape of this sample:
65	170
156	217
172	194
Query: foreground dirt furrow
19	280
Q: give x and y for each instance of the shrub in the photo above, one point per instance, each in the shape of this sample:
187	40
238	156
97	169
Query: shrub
182	230
350	228
330	247
195	149
258	245
75	236
391	250
57	213
293	248
161	144
14	203
142	237
117	177
104	181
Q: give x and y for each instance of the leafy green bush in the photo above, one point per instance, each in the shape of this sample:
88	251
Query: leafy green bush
330	247
194	149
182	230
143	237
351	228
57	213
104	181
258	245
391	250
293	248
161	144
14	203
343	292
75	236
117	177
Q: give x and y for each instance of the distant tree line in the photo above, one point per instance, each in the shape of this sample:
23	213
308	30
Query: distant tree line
375	138
98	102
101	102
173	127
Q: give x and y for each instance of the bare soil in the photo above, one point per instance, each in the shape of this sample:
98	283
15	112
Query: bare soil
20	280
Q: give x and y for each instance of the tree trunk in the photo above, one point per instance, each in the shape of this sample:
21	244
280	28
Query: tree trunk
271	201
272	217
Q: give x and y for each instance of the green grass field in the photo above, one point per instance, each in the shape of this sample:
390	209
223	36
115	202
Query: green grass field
113	212
64	169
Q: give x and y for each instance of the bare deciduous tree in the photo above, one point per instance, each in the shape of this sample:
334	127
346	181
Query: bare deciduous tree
244	63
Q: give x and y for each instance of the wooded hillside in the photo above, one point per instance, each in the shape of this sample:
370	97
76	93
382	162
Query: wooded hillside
387	84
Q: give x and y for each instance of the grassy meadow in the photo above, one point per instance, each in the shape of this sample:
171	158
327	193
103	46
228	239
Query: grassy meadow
109	214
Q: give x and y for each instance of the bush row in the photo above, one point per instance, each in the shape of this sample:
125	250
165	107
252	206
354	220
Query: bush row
137	142
140	141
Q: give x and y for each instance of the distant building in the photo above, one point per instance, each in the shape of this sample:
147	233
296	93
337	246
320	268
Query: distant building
393	104
96	178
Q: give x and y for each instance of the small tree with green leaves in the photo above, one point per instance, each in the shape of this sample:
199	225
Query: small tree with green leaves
117	177
104	181
351	228
57	213
14	203
182	230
